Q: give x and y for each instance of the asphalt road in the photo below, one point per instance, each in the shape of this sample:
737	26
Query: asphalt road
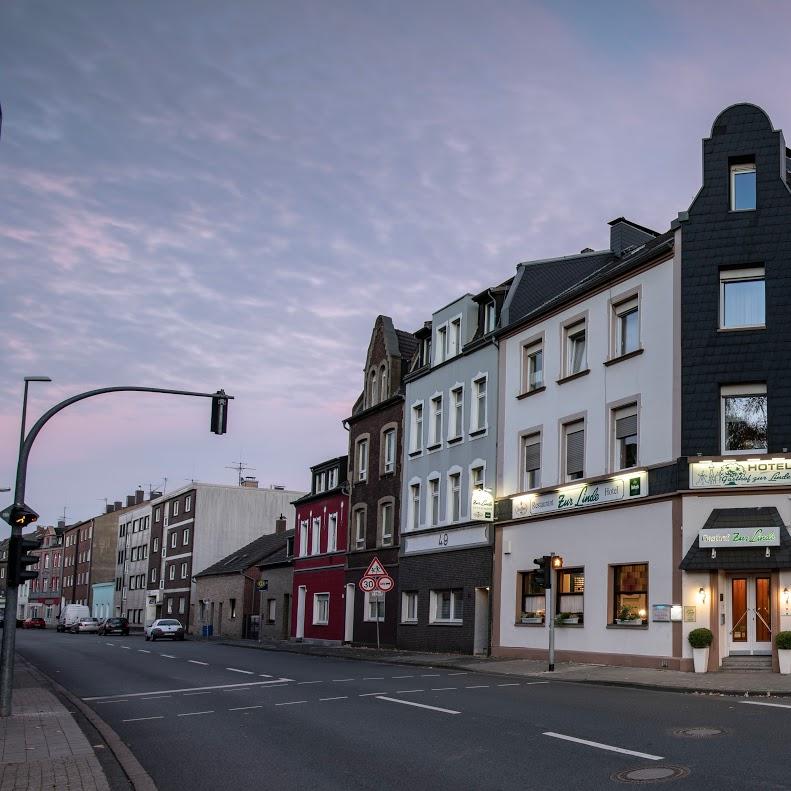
202	716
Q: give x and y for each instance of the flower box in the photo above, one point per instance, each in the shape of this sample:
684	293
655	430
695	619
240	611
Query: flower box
531	619
629	622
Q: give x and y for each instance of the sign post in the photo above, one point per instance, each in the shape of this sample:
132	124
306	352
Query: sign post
376	582
262	585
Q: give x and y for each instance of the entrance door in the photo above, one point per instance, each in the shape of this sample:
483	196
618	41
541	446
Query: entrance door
750	618
348	631
481	632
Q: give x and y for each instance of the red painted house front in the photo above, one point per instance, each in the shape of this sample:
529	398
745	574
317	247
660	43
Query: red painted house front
318	612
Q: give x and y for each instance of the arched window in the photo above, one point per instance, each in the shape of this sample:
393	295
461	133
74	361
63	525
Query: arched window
383	384
372	389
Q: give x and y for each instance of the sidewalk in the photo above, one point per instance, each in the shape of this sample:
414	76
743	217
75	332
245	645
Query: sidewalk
42	746
745	683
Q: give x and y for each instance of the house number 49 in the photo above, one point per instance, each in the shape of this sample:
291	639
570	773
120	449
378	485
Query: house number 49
443	540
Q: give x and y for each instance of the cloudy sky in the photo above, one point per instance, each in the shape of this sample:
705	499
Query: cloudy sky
199	195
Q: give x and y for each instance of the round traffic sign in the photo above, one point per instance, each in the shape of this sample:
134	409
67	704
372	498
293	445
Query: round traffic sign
367	584
385	584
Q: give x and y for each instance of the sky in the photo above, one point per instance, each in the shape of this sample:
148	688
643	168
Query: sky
196	195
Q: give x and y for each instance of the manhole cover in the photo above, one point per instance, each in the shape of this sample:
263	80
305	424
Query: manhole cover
651	774
702	732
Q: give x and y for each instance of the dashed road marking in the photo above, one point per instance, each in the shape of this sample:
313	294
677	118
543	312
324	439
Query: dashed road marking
309	682
601	746
402	676
441	689
373	678
236	670
341	697
196	662
404	691
370	694
290	703
429	675
419	705
478	686
168	656
335	680
183	689
244	708
158	697
126	647
142	651
194	713
508	685
141	719
760	703
465	673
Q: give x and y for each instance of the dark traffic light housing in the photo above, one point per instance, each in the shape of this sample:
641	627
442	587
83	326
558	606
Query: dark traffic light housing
19	515
19	559
542	576
219	412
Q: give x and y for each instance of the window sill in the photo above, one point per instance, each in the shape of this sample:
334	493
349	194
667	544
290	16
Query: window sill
414	453
445	623
572	377
539	625
622	357
454	440
479	431
745	328
408	623
569	625
386	474
436	446
534	391
642	628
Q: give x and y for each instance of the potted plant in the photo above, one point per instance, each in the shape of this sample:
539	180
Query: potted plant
628	616
783	643
532	617
567	617
700	640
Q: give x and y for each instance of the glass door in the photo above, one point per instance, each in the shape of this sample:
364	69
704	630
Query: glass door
750	614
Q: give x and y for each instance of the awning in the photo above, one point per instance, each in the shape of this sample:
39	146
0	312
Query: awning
741	558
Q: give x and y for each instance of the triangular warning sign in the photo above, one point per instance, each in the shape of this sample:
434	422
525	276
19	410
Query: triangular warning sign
376	569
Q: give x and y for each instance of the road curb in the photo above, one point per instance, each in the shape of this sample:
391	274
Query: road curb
132	768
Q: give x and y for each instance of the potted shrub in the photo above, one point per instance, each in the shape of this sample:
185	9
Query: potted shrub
628	616
567	617
700	640
783	643
532	617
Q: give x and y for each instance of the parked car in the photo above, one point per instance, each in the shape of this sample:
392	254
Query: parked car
165	627
70	615
85	625
34	623
114	626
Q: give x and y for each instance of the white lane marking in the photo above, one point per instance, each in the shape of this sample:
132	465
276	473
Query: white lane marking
601	746
478	686
463	673
126	647
404	691
759	703
142	651
141	719
236	670
290	703
194	713
265	675
531	683
244	708
373	678
168	656
196	662
441	689
508	685
123	700
309	682
183	689
419	705
341	679
370	694
158	697
109	643
196	693
429	675
342	697
402	676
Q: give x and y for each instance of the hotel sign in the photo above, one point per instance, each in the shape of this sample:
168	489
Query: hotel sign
750	472
629	486
482	506
724	538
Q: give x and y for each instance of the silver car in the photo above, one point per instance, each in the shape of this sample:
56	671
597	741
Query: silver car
165	627
86	625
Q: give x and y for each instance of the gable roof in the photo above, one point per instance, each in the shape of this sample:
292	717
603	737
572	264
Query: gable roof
252	554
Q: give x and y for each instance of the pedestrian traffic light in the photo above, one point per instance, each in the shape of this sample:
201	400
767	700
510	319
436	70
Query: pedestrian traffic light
19	515
557	561
542	577
19	559
219	412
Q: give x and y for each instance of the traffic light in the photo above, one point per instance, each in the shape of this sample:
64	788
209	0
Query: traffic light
219	412
542	577
19	515
19	559
557	561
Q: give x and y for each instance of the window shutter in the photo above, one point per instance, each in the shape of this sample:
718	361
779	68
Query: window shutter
533	456
575	451
626	426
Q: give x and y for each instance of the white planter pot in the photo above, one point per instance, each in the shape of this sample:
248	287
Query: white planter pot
700	656
572	620
630	622
784	656
532	620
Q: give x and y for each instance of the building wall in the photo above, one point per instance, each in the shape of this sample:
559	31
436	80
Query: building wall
102	600
214	591
329	579
281	580
129	600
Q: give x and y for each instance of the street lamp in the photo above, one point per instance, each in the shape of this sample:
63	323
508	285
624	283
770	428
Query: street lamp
28	379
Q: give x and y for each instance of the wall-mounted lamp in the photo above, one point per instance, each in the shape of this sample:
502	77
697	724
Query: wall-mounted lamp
702	595
786	596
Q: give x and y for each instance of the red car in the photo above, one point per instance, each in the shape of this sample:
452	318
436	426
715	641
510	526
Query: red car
34	623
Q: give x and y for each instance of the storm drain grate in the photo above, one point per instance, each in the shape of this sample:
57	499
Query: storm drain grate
702	732
651	774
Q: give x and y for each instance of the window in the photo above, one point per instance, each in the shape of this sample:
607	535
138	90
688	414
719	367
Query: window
157	513
359	528
744	419
184	571
232	603
332	478
389	450
188	503
315	537
185	536
742	298
533	367
290	546
154	574
374	608
414	506
743	187
386	523
383	384
425	352
489	317
433	490
531	453
182	606
372	391
576	358
156	545
447	606
409	607
533	599
454	339
175	509
456	417
271	610
454	496
477	478
630	592
416	434
362	460
172	572
574	446
321	609
440	350
332	533
435	434
303	538
170	607
571	592
625	445
479	404
320	482
626	316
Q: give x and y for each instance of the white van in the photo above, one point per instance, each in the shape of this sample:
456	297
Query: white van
70	615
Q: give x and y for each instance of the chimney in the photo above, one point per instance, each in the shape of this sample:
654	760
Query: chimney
130	500
625	234
280	524
117	505
139	496
109	508
154	495
249	482
61	523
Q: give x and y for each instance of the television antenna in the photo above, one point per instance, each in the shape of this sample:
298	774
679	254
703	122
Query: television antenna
240	467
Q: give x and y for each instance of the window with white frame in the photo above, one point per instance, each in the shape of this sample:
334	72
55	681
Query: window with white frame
479	405
157	513
456	417
183	571
359	528
303	538
744	418
156	544
626	326
389	450
321	609
454	496
624	426
332	533
185	536
574	450
154	574
175	509
433	493
362	460
315	537
170	606
386	523
414	506
531	461
416	429
425	351
320	482
742	298
446	606
477	478
332	478
372	391
409	607
188	503
173	539
576	359
743	191
532	366
489	317
374	607
454	338
383	384
172	571
441	346
435	434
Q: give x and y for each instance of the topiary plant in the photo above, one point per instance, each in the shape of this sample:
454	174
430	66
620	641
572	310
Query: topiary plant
783	641
700	638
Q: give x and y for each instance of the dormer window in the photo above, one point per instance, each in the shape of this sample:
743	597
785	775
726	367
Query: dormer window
743	187
442	344
425	351
332	478
489	317
454	339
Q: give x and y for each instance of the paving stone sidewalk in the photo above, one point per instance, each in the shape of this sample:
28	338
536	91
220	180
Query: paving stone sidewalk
41	744
745	683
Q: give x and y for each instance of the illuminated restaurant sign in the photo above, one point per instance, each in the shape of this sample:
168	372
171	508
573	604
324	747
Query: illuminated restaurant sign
719	538
749	472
